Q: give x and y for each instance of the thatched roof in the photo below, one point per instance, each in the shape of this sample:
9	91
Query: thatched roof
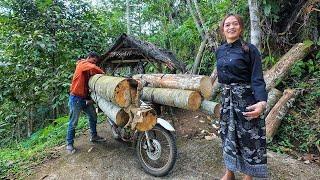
128	50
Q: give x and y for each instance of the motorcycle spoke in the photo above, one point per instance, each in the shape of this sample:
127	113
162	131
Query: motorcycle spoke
158	158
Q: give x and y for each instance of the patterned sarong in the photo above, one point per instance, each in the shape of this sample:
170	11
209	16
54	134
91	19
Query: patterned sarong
243	141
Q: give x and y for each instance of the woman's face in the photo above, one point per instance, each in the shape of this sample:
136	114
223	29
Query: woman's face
231	29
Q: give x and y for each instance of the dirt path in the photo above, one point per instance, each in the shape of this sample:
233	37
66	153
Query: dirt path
197	159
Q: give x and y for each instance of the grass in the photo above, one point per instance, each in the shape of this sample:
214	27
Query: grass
17	160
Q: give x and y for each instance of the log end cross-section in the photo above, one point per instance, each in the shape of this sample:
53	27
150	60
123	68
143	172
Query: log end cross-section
206	87
149	120
194	101
119	90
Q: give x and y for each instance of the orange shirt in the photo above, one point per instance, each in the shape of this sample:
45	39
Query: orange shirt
84	70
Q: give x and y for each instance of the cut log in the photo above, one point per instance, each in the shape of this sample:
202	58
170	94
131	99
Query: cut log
179	98
273	97
280	70
120	91
198	83
144	119
211	108
115	113
273	120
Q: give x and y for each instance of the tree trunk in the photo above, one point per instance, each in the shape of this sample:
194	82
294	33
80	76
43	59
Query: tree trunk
273	120
273	97
128	16
255	30
211	40
196	20
115	113
120	91
280	70
198	83
184	99
211	108
30	121
199	56
29	127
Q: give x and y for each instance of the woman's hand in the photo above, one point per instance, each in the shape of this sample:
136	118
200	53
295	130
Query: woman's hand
254	111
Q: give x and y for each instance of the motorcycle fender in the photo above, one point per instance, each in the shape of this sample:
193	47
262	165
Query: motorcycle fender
165	124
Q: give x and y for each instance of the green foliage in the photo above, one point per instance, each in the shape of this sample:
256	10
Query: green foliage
302	68
271	9
40	41
268	62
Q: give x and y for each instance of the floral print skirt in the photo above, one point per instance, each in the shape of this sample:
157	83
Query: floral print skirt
243	141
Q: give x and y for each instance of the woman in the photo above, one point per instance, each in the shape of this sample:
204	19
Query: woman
243	101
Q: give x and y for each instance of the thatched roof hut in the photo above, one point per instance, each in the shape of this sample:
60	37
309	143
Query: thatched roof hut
130	51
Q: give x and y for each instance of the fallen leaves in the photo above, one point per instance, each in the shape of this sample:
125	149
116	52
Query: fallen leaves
310	158
210	137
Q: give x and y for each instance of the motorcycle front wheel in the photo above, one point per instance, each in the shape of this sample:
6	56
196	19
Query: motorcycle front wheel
159	157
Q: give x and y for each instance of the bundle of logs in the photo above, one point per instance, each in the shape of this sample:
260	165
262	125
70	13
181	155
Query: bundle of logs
185	91
119	99
278	102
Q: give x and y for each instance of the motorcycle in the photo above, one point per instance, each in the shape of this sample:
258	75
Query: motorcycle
156	149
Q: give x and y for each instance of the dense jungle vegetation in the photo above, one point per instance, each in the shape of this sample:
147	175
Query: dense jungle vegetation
40	41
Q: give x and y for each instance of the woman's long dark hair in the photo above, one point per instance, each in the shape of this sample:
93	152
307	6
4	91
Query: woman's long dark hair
244	44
